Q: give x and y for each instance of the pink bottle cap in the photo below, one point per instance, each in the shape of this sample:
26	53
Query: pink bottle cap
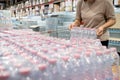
39	54
74	46
96	49
99	53
55	49
80	42
45	50
77	56
7	54
44	57
6	44
34	52
63	47
42	67
18	65
52	61
67	45
89	50
88	54
31	45
21	45
24	70
107	51
51	52
20	52
4	75
65	58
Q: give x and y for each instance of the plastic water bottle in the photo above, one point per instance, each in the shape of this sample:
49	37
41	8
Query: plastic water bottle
43	72
97	42
108	60
80	31
24	73
98	74
54	69
92	34
4	75
65	68
74	35
76	70
88	63
115	66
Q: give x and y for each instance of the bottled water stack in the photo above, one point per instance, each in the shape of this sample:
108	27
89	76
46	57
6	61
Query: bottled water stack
37	57
83	35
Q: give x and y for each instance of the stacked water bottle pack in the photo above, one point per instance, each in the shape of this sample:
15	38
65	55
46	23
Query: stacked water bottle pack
39	57
18	32
84	35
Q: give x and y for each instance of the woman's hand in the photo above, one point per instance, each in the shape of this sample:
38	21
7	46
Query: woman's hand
100	31
103	28
74	24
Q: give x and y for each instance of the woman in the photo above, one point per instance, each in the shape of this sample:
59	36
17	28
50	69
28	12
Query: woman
98	14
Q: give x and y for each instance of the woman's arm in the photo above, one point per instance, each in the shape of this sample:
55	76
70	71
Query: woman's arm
103	28
109	16
77	21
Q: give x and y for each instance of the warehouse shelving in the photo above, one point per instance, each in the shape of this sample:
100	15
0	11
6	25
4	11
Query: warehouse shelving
53	6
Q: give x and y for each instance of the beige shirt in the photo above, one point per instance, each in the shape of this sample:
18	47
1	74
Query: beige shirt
95	14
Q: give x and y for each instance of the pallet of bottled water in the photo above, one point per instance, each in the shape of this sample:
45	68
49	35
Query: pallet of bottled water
51	23
84	35
64	34
39	57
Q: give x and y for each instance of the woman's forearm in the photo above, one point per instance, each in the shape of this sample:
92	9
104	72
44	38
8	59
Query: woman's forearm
103	28
109	23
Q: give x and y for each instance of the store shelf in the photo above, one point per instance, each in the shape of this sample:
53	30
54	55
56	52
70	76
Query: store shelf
114	32
115	42
46	3
115	39
57	1
43	7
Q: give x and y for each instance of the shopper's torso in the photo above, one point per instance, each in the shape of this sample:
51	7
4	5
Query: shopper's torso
93	15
